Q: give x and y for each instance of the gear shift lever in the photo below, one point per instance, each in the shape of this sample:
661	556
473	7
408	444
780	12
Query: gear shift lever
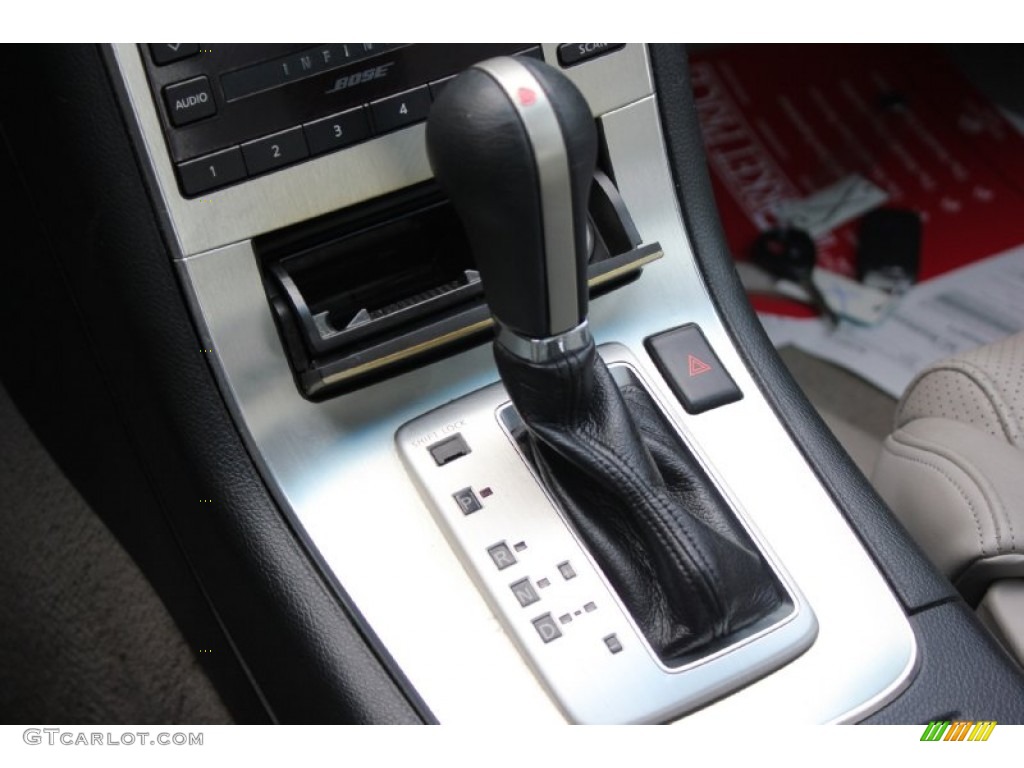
513	143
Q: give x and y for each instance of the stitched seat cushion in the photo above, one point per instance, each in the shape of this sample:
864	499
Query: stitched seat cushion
953	469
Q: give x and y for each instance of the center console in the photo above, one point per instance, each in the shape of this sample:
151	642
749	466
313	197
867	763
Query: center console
349	311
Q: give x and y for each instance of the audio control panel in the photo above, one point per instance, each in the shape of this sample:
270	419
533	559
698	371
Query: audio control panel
234	111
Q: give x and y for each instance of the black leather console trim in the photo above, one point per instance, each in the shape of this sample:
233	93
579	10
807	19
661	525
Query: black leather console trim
662	534
964	674
130	409
960	664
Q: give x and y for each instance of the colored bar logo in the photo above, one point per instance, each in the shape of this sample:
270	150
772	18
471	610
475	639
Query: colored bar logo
958	730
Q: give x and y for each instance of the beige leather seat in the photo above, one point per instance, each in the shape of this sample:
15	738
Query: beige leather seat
953	471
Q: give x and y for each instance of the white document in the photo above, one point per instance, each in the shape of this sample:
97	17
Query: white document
831	207
961	310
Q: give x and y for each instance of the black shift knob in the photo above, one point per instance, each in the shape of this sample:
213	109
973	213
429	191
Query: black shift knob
513	143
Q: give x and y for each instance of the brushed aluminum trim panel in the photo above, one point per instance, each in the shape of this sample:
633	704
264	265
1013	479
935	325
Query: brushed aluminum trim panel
590	684
333	467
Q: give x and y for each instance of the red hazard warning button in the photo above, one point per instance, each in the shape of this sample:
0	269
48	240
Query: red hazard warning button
697	366
691	368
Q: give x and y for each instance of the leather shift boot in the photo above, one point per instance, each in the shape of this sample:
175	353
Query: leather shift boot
664	536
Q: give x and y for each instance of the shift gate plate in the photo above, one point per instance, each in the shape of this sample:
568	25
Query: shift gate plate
578	638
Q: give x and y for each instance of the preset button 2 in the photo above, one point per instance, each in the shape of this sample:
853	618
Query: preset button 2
275	150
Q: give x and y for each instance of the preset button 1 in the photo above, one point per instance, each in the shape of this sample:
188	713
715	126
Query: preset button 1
212	171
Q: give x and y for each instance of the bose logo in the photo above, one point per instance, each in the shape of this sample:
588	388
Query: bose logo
347	81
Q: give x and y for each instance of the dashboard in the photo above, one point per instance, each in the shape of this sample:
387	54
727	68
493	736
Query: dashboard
252	291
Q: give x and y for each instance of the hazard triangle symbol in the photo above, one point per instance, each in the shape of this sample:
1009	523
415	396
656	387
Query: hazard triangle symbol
697	366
